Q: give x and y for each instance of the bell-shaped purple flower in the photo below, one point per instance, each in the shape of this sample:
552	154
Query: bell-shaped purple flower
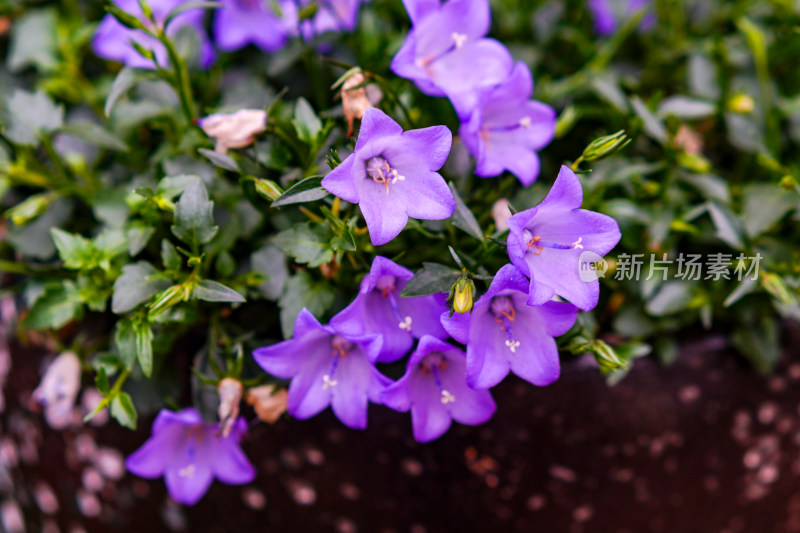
610	14
446	54
435	389
392	175
331	16
238	23
504	333
379	309
553	242
506	128
327	367
189	453
112	40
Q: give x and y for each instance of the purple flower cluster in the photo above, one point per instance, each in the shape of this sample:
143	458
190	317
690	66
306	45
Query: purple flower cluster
266	24
447	53
512	327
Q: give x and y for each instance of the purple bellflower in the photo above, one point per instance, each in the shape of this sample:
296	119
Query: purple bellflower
327	367
238	23
331	16
504	333
446	52
506	128
379	309
610	14
392	175
435	389
550	242
112	40
189	453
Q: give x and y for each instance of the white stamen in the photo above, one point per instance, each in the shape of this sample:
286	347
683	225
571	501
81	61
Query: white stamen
577	244
187	471
328	382
525	122
447	397
405	324
512	345
398	177
459	39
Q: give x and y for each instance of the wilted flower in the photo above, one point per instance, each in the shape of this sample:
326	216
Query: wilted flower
234	130
59	388
189	453
501	212
238	23
355	101
434	388
268	404
392	175
112	40
230	394
609	14
379	309
506	128
327	367
504	333
546	243
446	54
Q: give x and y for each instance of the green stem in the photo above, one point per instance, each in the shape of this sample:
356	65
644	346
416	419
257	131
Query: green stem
182	82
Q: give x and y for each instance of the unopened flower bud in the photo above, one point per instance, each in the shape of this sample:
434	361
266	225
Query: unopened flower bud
775	285
230	394
741	103
605	146
463	295
268	403
59	388
501	213
169	297
31	208
234	130
268	189
606	356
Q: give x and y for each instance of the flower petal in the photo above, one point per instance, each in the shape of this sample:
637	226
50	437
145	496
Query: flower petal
340	181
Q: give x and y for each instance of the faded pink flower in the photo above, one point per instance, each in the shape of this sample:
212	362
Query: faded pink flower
234	130
59	388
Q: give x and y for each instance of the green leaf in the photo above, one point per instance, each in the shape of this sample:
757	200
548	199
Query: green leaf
729	227
123	83
125	340
138	235
305	190
301	291
96	135
73	249
671	297
30	115
764	205
194	215
136	285
433	278
186	6
306	123
170	256
211	291
652	124
33	41
101	381
687	108
757	338
223	161
55	308
344	241
305	245
463	217
144	346
270	262
123	411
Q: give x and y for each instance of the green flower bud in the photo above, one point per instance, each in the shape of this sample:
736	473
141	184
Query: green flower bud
268	189
775	285
170	297
463	292
31	208
741	103
605	146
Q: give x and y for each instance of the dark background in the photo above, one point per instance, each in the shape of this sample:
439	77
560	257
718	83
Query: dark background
705	445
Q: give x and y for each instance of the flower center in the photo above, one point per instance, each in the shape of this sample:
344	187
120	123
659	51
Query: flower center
502	308
379	170
340	347
431	366
458	41
537	245
386	284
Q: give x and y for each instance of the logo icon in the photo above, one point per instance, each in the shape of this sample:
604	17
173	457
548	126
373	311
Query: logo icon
591	266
